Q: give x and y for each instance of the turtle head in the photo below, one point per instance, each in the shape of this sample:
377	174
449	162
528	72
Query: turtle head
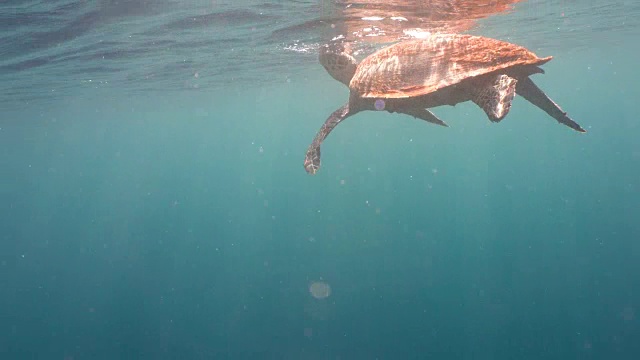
337	60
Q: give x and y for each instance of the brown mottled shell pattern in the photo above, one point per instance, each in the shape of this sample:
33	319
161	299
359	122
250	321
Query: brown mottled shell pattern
422	66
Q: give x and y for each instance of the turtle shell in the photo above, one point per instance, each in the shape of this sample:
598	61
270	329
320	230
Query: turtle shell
421	66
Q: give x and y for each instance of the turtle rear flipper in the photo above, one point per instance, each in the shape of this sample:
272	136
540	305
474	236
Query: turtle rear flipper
528	90
494	95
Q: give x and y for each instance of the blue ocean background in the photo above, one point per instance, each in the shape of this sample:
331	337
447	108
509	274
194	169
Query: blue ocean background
154	204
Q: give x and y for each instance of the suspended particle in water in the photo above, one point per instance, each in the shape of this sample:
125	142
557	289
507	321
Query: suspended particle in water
628	313
320	289
308	332
379	104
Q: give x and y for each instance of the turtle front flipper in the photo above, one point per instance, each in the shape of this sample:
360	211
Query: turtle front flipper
422	114
528	90
494	95
312	158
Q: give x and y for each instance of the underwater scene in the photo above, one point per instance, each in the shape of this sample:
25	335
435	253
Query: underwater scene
327	179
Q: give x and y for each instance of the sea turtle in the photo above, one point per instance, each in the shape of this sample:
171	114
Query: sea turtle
442	69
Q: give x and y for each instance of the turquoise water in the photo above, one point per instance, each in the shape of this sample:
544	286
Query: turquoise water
155	206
